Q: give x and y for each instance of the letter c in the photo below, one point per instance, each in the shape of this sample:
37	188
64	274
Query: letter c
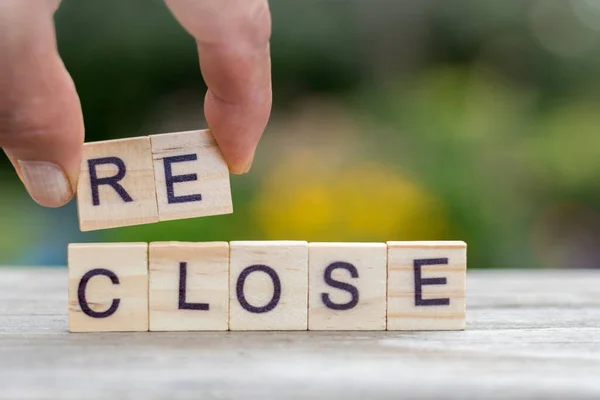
85	307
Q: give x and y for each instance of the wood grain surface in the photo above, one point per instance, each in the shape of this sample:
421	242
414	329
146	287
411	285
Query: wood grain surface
368	262
529	334
206	284
205	175
112	209
128	262
249	279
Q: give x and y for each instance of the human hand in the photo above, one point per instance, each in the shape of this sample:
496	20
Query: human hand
41	125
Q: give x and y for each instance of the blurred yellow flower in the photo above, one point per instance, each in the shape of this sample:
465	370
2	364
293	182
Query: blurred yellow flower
306	198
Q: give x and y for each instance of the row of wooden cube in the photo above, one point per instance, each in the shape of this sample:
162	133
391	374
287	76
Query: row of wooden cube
268	285
152	178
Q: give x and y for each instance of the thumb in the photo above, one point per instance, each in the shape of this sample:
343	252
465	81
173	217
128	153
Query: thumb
41	126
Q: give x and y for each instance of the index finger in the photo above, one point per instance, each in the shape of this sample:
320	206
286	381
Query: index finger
233	45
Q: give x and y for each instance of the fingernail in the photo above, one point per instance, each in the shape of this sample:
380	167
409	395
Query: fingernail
46	183
246	169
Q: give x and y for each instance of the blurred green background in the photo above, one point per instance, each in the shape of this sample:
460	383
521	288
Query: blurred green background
393	120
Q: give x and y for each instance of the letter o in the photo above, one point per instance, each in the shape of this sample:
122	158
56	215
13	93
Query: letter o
276	286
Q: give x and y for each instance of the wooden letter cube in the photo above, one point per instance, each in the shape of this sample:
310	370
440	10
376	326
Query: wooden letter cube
189	286
426	285
192	178
347	286
116	184
108	287
268	285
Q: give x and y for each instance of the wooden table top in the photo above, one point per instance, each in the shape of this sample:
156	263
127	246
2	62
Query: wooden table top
530	334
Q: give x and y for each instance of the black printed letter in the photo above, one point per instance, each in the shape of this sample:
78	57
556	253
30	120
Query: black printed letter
81	293
170	180
340	285
420	282
183	305
111	180
276	289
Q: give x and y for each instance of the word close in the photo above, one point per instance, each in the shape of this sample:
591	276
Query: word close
265	286
152	178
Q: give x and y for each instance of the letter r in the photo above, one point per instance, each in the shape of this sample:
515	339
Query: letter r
112	181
